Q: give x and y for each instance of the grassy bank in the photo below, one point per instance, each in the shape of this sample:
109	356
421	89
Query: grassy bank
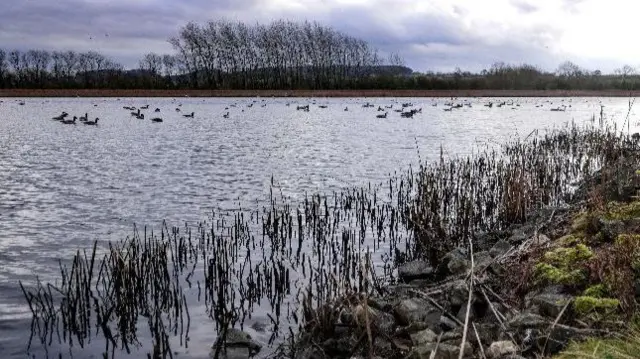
24	93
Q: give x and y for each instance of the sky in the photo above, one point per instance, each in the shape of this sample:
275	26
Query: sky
430	35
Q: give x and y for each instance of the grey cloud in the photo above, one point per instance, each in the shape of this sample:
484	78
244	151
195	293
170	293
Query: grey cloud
524	7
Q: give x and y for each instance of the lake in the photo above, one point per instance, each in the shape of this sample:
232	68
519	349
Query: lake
64	186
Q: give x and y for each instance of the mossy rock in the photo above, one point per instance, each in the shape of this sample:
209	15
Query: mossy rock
623	211
554	275
596	291
585	305
564	265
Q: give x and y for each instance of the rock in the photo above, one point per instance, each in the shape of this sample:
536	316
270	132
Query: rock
415	270
482	260
517	237
424	337
237	345
488	332
500	349
455	262
609	230
458	293
443	351
500	248
559	338
416	310
527	320
550	305
447	324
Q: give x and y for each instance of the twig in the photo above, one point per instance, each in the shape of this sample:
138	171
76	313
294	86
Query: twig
555	322
479	342
466	319
435	350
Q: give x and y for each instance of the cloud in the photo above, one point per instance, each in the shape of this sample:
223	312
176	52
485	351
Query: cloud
433	35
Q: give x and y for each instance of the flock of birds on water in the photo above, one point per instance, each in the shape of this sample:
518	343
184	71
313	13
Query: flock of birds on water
404	109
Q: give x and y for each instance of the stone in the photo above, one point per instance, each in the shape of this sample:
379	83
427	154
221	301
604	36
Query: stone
488	332
423	337
443	351
501	348
501	247
416	310
237	345
550	305
527	320
415	270
559	338
455	262
447	324
610	229
458	293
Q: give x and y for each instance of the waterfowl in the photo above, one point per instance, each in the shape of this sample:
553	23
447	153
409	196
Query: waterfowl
84	118
92	122
157	110
70	122
145	107
140	116
382	116
135	114
156	119
226	115
61	117
189	115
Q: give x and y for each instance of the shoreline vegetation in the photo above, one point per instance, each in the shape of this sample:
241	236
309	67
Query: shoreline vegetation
282	55
175	93
527	251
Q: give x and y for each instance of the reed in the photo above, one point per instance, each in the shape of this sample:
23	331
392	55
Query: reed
304	261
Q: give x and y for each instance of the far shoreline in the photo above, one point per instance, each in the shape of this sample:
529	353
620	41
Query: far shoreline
126	93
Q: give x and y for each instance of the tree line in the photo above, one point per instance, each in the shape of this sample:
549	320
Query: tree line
224	54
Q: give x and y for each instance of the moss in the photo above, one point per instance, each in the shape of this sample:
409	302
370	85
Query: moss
622	211
569	240
565	257
554	275
596	291
580	222
584	305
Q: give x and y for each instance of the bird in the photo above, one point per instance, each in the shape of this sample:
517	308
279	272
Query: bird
70	122
189	115
84	118
382	116
157	110
92	122
61	117
156	119
226	115
135	114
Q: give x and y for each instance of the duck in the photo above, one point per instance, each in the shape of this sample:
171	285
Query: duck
156	119
189	115
92	122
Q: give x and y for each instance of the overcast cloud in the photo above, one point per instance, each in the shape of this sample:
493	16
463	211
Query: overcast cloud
437	35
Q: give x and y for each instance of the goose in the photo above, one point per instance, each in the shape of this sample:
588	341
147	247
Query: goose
61	117
84	118
346	108
177	109
135	114
145	107
92	122
189	115
140	116
70	122
226	115
157	110
156	119
382	116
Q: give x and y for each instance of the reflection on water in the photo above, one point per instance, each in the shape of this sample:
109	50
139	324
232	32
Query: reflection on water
62	186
